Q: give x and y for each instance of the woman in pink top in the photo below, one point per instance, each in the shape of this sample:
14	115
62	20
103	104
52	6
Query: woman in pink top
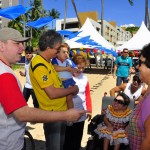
139	126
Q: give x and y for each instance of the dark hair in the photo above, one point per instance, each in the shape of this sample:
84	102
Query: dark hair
29	49
125	98
136	78
49	39
146	54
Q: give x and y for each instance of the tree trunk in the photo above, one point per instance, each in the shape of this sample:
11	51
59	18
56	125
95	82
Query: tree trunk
42	3
147	23
65	13
102	17
75	8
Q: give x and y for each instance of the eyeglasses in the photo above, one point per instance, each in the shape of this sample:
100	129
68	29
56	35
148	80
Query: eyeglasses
140	62
57	48
28	53
119	101
126	52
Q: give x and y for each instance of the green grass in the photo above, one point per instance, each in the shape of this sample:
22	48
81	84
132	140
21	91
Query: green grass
17	66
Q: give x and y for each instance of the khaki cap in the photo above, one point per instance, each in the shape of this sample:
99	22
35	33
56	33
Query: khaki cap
12	34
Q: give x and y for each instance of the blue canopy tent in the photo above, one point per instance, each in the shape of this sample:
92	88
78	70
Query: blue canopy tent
74	35
41	22
13	12
65	32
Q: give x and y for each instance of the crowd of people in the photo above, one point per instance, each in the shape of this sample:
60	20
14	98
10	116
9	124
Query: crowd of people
61	96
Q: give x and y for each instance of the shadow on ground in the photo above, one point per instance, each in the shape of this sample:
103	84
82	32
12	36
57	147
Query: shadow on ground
97	71
40	145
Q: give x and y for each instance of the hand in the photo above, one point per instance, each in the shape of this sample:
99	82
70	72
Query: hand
128	78
75	89
89	116
70	69
114	76
22	73
74	114
73	70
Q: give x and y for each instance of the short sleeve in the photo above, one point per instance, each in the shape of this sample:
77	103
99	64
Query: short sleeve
11	97
116	62
54	61
145	110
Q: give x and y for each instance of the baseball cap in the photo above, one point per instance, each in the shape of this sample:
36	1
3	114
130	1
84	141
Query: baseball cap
12	34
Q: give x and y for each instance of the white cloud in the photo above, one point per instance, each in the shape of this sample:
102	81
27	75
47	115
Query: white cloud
128	25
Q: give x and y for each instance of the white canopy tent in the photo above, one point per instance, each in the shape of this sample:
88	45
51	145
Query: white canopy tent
141	38
88	30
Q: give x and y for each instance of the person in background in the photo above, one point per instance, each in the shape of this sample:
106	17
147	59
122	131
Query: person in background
14	111
48	87
134	90
65	67
82	101
105	64
28	90
139	124
114	127
122	68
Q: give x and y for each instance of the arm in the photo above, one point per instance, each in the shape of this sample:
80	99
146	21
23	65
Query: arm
27	114
115	69
108	124
146	142
117	89
61	68
53	92
88	101
130	68
142	94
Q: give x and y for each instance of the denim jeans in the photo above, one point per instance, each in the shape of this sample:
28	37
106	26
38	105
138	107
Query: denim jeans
54	135
27	92
120	79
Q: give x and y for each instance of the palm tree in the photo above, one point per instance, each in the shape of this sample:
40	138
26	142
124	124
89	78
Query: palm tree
147	21
42	3
65	13
75	8
102	16
131	2
54	13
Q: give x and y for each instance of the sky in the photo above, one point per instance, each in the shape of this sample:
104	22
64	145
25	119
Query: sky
114	10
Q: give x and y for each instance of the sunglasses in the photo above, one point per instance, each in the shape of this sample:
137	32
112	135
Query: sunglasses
140	62
28	53
126	52
119	101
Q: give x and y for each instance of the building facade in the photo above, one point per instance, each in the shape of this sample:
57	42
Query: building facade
4	4
111	32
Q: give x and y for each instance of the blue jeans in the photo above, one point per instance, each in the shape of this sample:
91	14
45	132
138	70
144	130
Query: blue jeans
54	135
120	79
